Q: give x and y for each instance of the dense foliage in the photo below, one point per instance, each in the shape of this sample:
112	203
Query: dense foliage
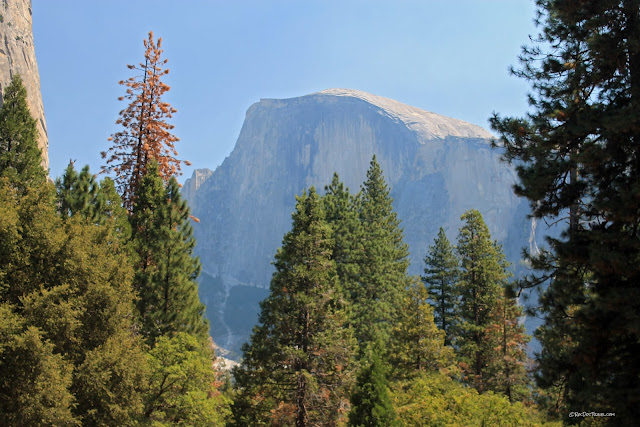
482	285
577	154
298	367
433	399
166	270
377	296
101	322
371	400
20	157
332	284
71	351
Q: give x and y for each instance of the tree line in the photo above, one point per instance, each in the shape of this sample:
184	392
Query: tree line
101	321
346	336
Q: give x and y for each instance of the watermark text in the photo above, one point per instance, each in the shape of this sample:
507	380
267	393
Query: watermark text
591	414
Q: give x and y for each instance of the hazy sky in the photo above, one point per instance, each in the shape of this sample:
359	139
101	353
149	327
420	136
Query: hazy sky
446	56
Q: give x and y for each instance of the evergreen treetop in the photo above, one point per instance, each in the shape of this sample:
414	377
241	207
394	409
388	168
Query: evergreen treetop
506	368
440	276
298	367
383	262
80	193
20	156
371	400
483	276
417	344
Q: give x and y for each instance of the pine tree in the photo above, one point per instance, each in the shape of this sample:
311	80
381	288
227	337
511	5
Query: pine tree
341	212
576	155
20	157
506	368
146	134
383	263
483	277
371	400
98	203
298	367
166	270
441	274
80	194
114	212
417	344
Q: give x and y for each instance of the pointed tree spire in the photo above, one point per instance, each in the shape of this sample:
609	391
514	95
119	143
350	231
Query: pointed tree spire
147	133
482	280
298	367
440	276
383	262
20	156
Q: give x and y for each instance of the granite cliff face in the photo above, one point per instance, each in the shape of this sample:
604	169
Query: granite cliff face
192	184
437	168
17	56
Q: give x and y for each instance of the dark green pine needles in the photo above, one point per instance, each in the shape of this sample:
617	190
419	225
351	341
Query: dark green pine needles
440	278
166	269
298	367
20	157
577	154
383	259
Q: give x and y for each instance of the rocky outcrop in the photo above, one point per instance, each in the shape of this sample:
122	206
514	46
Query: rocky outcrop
437	168
192	184
18	56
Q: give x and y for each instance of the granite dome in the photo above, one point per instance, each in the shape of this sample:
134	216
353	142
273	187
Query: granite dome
437	168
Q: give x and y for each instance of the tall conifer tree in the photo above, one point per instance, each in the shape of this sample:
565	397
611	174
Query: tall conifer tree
577	155
146	134
383	262
506	367
483	277
166	270
79	193
341	212
298	367
440	276
20	157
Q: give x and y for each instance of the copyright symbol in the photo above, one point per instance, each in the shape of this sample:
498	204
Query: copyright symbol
572	414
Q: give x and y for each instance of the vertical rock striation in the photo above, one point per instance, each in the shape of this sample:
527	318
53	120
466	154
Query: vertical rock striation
18	56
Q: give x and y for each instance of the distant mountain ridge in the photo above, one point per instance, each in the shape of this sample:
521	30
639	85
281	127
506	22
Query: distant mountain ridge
437	167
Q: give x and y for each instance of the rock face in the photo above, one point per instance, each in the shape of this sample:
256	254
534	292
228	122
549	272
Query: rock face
437	168
192	184
18	56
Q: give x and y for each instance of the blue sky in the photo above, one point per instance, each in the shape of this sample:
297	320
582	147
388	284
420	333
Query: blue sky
446	56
